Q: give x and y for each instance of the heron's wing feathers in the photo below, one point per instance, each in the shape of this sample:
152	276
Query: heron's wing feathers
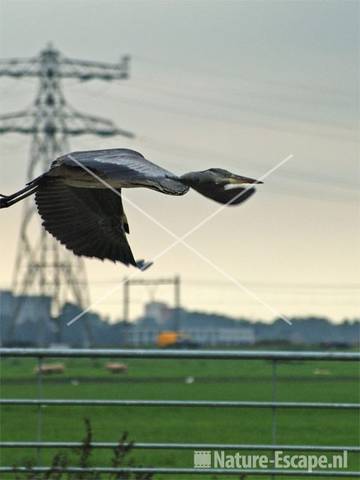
90	222
223	194
125	167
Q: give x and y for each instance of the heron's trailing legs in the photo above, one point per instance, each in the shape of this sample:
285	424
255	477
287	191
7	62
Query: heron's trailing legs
8	200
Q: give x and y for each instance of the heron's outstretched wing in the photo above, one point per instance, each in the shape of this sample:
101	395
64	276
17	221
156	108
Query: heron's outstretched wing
121	166
224	194
90	222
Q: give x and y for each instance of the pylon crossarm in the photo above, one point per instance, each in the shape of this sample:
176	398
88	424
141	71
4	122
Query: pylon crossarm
80	124
94	70
19	67
18	122
16	115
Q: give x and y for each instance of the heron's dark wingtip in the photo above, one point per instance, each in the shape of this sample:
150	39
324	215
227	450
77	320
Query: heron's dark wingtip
143	265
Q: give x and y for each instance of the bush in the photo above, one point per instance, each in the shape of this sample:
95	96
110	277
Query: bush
60	462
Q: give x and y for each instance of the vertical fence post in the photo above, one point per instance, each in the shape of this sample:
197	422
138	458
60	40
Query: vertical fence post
177	324
126	306
273	409
39	409
273	399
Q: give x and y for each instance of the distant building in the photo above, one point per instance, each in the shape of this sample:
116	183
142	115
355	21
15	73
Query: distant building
36	327
6	303
159	316
32	326
158	311
37	308
222	336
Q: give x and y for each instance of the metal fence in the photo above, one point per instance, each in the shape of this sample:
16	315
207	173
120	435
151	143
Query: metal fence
274	405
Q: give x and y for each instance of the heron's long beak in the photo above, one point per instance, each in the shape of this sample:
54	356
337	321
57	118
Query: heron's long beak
238	179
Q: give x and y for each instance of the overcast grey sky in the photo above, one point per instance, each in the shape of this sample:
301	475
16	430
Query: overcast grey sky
233	84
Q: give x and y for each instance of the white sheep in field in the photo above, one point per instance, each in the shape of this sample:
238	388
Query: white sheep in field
116	367
50	368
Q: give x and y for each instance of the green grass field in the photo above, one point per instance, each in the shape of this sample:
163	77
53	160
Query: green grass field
166	379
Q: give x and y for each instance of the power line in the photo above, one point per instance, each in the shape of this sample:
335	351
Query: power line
292	286
311	178
269	122
318	89
235	106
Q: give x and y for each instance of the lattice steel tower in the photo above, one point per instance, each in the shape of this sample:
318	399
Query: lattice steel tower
42	265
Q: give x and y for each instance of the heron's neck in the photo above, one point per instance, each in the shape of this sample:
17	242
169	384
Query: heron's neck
190	179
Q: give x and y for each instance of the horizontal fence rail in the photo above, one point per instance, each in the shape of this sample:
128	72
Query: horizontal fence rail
183	446
177	354
175	403
187	471
273	357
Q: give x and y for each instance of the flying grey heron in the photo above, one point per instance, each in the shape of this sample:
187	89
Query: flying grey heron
84	214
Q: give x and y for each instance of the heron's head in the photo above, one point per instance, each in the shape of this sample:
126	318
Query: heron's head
216	176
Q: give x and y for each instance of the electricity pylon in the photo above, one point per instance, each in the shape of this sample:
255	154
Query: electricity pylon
42	265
